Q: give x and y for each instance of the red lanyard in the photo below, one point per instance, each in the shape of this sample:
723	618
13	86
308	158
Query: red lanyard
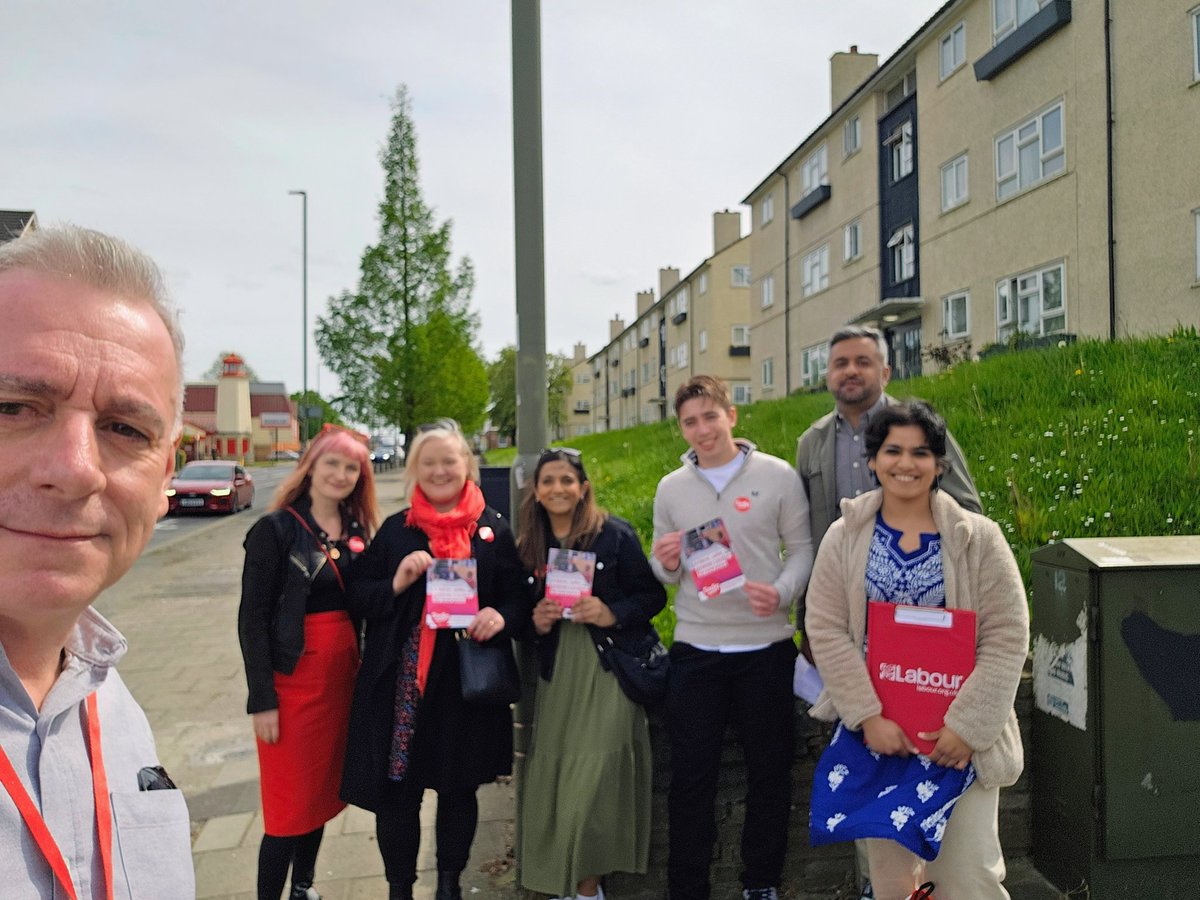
37	825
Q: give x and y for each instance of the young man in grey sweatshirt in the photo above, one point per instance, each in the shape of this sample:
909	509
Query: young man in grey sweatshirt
733	654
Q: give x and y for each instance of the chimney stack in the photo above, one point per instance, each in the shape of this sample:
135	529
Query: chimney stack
847	71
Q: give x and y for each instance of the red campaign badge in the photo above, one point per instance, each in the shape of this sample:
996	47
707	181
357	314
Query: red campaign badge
742	504
356	544
487	534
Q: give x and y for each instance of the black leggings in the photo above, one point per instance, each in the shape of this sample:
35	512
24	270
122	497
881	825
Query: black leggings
398	829
277	854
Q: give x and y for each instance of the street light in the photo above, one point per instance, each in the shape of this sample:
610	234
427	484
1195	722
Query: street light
302	406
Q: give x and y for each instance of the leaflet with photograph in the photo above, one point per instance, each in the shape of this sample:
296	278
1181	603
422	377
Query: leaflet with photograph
451	593
708	555
569	575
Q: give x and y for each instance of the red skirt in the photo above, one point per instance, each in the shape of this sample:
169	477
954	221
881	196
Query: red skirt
299	775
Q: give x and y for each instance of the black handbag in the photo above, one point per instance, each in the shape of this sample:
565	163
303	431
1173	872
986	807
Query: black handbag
639	661
488	671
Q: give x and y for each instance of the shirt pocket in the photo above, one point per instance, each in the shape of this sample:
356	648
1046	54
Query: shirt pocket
152	845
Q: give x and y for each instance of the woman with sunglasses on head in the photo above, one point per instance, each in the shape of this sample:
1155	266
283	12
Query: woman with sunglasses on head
586	795
410	728
922	816
301	649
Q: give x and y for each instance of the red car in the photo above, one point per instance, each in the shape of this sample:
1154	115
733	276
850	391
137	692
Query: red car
210	486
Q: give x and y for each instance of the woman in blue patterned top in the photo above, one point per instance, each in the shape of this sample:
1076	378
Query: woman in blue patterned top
924	816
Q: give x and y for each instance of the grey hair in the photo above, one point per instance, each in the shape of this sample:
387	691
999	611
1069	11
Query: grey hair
447	429
103	262
851	332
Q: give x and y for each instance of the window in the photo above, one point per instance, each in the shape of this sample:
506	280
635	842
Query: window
813	172
1031	152
954	49
851	136
954	183
766	211
1031	303
1196	43
901	142
681	301
647	369
814	363
901	89
739	335
646	329
954	315
582	378
741	393
903	253
1009	15
852	241
703	286
739	276
768	372
703	348
1196	213
814	271
767	290
681	355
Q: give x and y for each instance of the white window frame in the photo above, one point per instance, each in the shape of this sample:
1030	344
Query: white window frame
901	89
1031	133
851	136
1195	17
814	171
741	393
949	314
583	378
766	291
739	276
852	241
814	363
768	372
647	370
955	42
901	143
702	346
681	355
681	301
1009	15
902	245
1021	303
956	183
814	271
739	336
702	286
766	209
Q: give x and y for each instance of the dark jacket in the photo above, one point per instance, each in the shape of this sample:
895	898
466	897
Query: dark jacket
623	580
282	559
455	744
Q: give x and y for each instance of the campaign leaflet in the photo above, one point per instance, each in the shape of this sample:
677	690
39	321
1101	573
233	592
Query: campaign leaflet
569	575
708	555
451	593
918	658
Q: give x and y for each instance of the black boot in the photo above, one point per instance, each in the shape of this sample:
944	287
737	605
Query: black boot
303	890
400	892
448	888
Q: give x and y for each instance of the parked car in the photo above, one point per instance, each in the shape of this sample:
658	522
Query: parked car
387	456
285	455
210	486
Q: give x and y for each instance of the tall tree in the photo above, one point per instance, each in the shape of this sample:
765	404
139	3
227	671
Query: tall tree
328	413
502	381
403	345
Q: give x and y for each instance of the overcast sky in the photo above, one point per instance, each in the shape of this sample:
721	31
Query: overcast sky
182	126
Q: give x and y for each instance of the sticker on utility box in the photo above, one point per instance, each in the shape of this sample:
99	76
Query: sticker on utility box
1060	676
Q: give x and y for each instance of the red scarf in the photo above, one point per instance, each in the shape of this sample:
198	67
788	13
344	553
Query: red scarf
449	536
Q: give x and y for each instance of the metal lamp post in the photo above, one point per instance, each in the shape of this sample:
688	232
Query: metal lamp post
302	406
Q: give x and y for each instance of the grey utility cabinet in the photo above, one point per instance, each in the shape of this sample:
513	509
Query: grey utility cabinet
1115	756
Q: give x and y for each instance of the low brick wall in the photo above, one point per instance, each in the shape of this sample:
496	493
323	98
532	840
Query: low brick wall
825	873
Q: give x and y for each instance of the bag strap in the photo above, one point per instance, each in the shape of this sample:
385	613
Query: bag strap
337	573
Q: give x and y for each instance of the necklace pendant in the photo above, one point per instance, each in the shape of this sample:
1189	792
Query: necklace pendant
335	553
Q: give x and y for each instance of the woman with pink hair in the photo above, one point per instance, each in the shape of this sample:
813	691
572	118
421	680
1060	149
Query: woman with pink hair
300	649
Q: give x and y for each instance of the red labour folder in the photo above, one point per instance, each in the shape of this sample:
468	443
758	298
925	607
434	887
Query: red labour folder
918	658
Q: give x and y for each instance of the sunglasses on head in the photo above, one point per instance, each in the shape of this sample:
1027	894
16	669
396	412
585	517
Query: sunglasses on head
329	428
565	454
440	425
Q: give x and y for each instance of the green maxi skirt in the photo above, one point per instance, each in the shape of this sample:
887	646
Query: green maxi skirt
586	791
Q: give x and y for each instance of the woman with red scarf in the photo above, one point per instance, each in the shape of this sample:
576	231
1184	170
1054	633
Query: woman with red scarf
410	729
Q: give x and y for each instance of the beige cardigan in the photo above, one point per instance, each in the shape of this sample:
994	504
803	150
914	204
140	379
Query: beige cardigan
981	574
